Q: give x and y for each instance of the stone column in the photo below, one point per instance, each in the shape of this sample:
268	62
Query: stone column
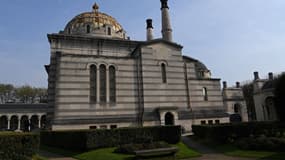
29	121
19	123
107	86
98	84
8	126
39	122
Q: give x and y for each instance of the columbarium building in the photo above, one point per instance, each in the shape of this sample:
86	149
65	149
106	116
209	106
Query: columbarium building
99	78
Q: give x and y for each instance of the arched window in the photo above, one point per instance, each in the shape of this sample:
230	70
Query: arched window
34	122
205	94
24	123
102	83
163	73
237	108
3	122
88	29
169	118
93	83
112	82
43	121
109	31
14	123
69	31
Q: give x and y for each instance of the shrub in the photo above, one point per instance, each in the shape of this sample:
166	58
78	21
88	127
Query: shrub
18	146
261	143
222	133
92	139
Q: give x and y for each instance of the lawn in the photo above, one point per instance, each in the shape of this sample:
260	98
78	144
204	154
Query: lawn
233	151
108	153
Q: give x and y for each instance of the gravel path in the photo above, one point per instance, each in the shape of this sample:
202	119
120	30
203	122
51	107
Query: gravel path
52	156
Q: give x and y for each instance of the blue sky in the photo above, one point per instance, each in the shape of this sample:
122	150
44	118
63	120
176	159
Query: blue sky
232	37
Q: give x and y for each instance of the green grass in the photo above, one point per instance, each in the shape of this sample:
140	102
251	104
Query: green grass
37	157
234	151
102	154
185	152
108	153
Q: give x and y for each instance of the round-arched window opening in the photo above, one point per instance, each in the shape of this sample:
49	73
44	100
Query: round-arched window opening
88	29
237	108
169	118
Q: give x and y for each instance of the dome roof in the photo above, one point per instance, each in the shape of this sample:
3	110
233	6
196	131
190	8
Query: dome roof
95	23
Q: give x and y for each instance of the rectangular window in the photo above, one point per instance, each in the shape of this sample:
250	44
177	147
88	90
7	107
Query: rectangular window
210	121
203	122
113	126
93	127
217	121
103	127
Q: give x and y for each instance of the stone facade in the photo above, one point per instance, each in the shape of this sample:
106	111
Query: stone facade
263	90
98	81
234	103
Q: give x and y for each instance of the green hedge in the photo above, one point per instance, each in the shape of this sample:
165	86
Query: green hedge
228	132
92	139
18	146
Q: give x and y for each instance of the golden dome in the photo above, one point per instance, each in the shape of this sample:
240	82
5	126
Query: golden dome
96	21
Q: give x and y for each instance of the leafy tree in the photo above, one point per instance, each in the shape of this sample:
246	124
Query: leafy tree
248	96
42	94
279	93
5	92
26	93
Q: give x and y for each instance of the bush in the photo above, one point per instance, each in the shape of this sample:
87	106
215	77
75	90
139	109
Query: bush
92	139
18	146
261	143
230	132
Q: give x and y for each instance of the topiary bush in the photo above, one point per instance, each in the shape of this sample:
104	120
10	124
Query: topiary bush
18	146
92	139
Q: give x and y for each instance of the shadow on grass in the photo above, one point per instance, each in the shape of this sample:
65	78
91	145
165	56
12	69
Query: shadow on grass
231	150
51	152
276	156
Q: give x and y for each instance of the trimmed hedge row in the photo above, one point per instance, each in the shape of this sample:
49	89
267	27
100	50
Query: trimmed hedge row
92	139
18	146
228	132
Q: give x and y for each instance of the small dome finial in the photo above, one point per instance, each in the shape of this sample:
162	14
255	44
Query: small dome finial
95	7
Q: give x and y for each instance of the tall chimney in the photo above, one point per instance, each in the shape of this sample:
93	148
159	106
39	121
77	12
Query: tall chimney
237	85
270	76
166	26
256	76
149	30
225	85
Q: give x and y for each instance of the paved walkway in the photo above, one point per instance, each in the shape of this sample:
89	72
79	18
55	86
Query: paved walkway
52	156
208	153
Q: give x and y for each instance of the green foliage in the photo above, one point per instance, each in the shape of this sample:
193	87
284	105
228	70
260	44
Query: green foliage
248	96
103	154
109	154
279	93
185	152
18	146
262	143
223	133
5	92
92	139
